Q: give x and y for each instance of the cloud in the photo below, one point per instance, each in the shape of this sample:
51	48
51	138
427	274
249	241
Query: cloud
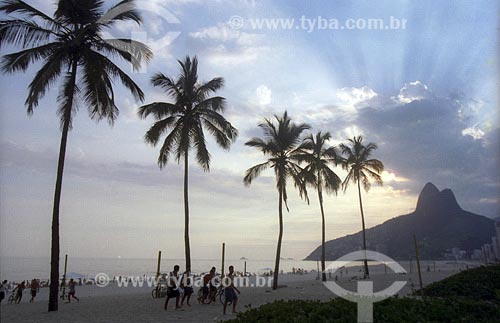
388	177
424	140
263	95
352	96
225	46
351	131
224	33
489	200
43	162
474	132
223	56
412	91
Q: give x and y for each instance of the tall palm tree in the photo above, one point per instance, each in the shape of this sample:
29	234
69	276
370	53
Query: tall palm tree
361	168
71	49
184	122
318	156
281	145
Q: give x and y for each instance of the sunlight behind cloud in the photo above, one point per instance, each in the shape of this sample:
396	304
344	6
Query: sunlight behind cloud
412	91
352	96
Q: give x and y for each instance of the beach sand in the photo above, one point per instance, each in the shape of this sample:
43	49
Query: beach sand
114	304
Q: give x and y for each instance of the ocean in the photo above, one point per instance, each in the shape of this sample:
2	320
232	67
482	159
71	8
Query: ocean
18	268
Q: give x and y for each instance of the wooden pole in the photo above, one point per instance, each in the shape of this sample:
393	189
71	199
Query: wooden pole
245	270
418	266
65	265
158	266
223	255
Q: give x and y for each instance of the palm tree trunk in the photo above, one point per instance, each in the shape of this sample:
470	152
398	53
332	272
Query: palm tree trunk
54	256
280	237
323	229
367	273
186	215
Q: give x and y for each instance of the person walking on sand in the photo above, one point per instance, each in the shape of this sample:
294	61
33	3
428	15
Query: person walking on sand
19	291
34	286
230	290
172	288
72	291
187	286
3	290
207	286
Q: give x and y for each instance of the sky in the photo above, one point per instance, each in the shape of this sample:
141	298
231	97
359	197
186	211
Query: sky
426	94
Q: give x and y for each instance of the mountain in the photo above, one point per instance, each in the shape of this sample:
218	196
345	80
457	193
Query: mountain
438	222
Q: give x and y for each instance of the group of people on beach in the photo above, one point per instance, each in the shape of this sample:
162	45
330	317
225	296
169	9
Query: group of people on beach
180	287
34	287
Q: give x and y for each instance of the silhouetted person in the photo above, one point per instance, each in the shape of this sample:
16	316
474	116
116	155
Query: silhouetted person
72	291
230	290
3	290
34	286
172	288
208	285
186	284
20	289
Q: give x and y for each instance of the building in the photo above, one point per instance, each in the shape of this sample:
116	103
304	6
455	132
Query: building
477	255
495	248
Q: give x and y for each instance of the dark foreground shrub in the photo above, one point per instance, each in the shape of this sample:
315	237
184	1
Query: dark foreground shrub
392	310
481	283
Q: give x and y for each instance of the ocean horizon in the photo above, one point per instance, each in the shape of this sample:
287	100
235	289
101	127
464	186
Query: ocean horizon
27	268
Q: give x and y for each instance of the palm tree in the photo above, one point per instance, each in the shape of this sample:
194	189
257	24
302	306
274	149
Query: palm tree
361	168
318	156
184	122
281	145
70	47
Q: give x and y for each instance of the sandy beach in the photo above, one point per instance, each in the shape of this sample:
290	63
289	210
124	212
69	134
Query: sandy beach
118	304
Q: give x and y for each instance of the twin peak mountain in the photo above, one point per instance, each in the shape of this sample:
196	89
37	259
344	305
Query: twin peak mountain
438	222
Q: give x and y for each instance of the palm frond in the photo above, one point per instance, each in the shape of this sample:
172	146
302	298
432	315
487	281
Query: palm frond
166	149
66	99
159	110
44	78
216	103
159	128
350	178
21	60
258	143
331	180
24	33
204	90
115	71
357	161
200	144
254	172
124	10
79	12
98	89
167	84
134	52
184	142
218	120
220	137
299	178
22	8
